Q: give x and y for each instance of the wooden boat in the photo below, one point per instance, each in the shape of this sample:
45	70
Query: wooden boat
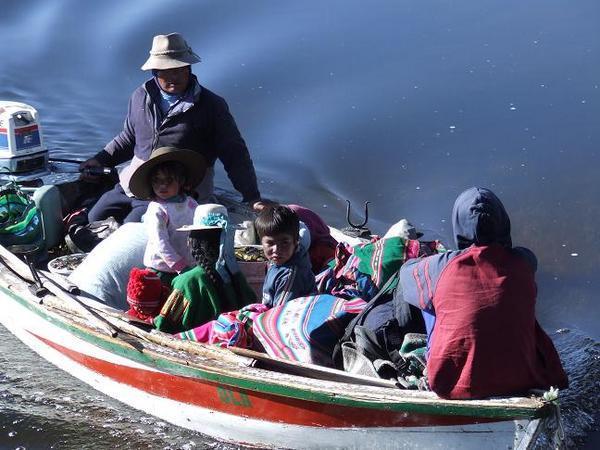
242	396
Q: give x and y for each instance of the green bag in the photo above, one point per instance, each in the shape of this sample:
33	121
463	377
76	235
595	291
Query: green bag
20	221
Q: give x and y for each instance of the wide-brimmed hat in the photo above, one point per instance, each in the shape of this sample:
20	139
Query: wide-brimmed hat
170	51
210	216
194	162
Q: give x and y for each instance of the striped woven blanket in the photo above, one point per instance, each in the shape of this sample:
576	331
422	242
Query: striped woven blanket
230	329
362	270
307	328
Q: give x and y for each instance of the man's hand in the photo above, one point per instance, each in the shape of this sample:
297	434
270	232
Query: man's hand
92	162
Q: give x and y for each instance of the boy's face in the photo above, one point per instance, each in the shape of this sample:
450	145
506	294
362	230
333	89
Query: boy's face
279	248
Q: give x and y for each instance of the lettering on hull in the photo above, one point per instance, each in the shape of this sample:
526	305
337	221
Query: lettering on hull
230	397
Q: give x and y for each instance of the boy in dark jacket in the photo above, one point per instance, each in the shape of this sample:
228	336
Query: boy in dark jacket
285	244
479	307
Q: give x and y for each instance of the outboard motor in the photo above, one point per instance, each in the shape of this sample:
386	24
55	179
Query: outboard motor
23	156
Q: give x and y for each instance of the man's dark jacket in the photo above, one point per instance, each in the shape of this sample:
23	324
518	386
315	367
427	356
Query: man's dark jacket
201	121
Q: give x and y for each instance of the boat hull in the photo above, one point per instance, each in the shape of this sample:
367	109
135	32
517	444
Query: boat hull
236	409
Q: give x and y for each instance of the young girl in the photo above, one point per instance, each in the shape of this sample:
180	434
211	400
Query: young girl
215	284
164	179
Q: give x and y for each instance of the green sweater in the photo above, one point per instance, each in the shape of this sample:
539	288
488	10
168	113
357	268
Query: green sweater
195	300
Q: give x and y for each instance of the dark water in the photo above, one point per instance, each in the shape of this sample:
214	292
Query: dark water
400	103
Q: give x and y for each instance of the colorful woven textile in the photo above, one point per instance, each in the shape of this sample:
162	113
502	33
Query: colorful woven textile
307	328
20	221
230	329
196	299
362	270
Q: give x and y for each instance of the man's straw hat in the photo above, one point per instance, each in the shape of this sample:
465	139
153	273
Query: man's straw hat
170	51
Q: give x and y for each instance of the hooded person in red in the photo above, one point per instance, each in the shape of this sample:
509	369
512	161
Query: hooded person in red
479	307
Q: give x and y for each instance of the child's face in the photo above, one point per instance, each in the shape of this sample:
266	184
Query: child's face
164	186
279	248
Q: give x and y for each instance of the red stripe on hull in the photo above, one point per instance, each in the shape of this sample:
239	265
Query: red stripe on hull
255	405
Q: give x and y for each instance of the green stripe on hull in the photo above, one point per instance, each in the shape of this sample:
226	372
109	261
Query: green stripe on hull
129	352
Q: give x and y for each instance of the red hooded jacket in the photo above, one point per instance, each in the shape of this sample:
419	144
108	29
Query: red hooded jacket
485	340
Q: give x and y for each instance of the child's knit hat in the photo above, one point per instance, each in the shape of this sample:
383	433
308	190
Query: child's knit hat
145	294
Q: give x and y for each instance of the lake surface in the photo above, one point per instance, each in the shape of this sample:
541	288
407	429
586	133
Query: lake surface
400	103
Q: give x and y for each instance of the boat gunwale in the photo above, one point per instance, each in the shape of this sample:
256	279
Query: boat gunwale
274	383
